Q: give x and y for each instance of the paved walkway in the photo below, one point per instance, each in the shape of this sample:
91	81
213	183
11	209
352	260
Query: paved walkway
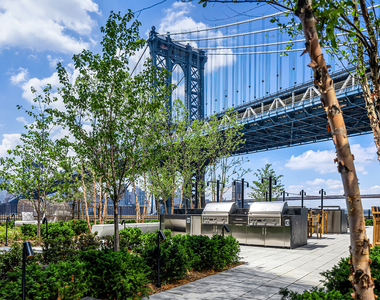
267	270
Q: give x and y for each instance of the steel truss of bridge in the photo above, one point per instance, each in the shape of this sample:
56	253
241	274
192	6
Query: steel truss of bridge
296	116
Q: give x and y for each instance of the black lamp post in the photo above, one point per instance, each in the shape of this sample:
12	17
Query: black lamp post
123	223
322	192
242	190
45	221
302	193
271	181
160	235
27	252
6	231
283	195
225	228
14	219
217	187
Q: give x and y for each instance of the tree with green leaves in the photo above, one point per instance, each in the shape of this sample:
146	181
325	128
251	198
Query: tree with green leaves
31	170
326	19
107	106
261	186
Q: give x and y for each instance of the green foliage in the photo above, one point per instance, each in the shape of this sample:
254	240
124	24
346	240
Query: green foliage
47	282
369	222
131	237
259	188
115	275
29	230
173	260
14	234
337	277
205	253
59	249
78	226
337	284
313	294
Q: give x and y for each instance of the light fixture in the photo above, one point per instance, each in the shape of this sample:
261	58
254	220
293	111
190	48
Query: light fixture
160	234
6	231
225	227
27	252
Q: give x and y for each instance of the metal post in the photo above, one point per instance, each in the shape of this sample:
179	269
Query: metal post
217	190
283	196
6	232
23	272
196	194
321	198
266	196
302	199
158	261
242	193
270	188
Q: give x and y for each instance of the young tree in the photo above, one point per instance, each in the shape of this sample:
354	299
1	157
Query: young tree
32	168
106	106
260	188
363	283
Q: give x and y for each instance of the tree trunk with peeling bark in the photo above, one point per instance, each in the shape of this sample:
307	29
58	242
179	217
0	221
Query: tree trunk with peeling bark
85	197
363	284
137	204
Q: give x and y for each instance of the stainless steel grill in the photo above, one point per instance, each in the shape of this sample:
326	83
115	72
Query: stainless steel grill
267	213
217	213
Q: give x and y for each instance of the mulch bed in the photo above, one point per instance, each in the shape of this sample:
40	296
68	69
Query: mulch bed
191	276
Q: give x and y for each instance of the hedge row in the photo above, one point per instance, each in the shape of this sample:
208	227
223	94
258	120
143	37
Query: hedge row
72	268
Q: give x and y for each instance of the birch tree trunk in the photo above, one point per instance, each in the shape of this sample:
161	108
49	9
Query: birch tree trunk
145	198
85	197
100	200
137	204
360	263
105	208
93	179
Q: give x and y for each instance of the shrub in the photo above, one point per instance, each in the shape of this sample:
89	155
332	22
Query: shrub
29	230
59	249
205	253
369	222
64	279
78	226
337	277
87	242
14	234
131	237
12	259
173	260
57	229
313	294
115	275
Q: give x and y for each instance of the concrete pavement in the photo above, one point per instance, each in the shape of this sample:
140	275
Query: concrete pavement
267	270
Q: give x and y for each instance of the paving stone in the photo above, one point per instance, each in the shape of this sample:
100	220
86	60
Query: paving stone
266	271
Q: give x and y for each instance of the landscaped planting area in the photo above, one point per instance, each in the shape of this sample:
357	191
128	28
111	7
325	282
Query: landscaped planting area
75	263
338	285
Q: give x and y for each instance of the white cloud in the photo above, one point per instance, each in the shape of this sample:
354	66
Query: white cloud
20	76
22	120
323	161
372	190
41	25
331	184
9	142
53	61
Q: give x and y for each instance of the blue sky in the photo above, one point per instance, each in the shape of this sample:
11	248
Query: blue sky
37	34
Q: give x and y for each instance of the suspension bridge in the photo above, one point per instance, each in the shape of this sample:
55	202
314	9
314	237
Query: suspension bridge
249	66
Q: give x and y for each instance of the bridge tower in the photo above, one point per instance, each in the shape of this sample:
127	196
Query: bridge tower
166	54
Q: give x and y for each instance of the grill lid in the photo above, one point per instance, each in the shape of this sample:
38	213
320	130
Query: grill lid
268	208
220	208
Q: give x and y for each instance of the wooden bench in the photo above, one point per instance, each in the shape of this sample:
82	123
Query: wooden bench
376	226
